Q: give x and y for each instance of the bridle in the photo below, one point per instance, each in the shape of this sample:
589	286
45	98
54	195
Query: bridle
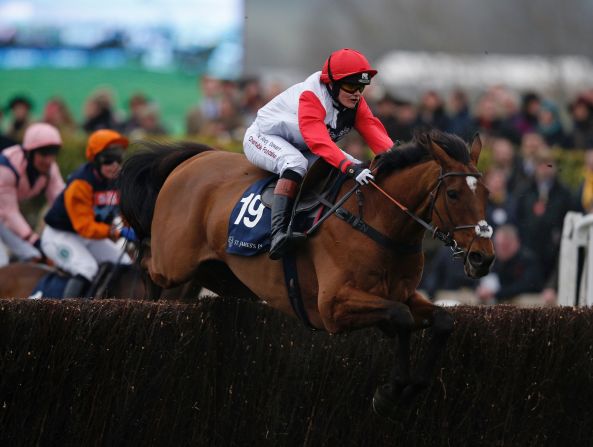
481	228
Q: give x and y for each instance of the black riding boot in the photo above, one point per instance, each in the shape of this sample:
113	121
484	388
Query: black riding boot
282	240
76	286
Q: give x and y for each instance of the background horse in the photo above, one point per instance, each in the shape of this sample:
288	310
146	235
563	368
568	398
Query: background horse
179	199
17	280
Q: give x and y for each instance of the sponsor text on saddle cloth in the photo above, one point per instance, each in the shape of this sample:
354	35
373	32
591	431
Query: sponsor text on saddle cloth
250	223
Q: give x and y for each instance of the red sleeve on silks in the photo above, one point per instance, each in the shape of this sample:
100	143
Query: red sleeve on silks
311	117
371	129
78	200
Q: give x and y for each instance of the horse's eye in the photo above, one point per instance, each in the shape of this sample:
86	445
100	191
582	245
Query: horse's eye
452	194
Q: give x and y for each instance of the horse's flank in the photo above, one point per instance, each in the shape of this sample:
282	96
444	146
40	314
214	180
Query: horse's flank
18	279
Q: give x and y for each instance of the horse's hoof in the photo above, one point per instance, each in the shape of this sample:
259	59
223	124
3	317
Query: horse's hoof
384	401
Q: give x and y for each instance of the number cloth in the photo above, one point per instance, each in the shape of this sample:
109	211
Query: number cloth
250	222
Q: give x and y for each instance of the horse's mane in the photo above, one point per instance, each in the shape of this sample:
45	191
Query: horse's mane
143	175
416	151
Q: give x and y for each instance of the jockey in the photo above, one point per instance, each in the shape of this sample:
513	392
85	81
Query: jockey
79	232
313	115
26	171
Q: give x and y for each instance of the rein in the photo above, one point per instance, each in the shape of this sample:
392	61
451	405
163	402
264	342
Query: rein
482	229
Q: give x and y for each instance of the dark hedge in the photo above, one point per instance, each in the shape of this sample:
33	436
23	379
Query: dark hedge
235	373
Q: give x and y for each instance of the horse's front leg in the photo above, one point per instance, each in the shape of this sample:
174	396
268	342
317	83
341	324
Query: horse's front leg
441	323
351	308
152	290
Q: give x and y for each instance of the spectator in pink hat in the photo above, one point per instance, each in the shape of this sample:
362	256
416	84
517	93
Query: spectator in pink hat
26	171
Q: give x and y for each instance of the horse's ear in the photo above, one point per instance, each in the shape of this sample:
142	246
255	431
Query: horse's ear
439	154
476	149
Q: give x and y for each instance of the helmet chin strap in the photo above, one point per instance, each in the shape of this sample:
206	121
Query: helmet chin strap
334	92
333	87
97	167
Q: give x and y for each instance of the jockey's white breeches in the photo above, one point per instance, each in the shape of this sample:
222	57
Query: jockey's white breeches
80	256
275	154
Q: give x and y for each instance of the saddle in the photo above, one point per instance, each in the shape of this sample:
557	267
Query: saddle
319	187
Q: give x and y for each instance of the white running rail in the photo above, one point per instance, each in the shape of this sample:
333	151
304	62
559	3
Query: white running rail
577	232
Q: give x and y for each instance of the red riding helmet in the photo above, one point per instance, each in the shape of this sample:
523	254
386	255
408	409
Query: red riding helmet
347	63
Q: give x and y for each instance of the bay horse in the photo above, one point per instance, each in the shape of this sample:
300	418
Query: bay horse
178	198
18	279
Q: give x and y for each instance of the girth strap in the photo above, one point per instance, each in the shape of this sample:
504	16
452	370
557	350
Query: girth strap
291	278
359	224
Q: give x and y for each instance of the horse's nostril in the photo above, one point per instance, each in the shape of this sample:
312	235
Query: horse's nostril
476	258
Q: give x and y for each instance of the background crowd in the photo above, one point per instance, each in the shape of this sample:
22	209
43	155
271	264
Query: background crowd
524	137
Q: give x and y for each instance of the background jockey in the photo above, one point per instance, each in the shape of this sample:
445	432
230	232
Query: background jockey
313	115
26	171
79	232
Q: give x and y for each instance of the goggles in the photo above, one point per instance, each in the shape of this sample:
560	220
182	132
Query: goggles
48	150
113	154
109	159
352	88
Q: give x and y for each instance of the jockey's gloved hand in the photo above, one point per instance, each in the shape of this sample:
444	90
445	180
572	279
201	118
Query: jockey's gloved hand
359	173
129	234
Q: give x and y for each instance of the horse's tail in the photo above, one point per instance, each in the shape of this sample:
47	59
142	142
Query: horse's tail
143	175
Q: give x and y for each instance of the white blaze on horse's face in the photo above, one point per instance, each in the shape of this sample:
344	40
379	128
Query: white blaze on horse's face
472	182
